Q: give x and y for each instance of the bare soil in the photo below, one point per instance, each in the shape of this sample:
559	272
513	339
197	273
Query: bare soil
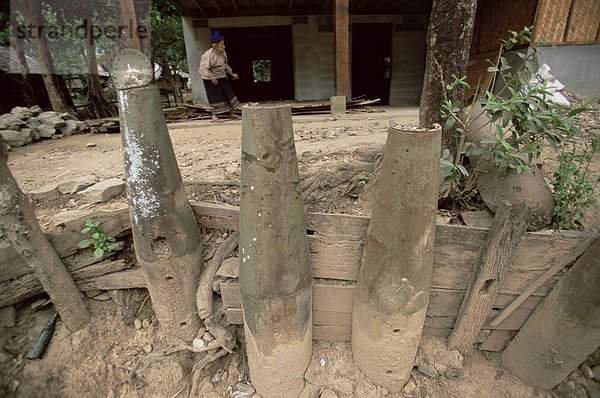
111	358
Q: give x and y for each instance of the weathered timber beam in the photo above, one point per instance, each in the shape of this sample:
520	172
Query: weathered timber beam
509	225
342	52
215	3
198	6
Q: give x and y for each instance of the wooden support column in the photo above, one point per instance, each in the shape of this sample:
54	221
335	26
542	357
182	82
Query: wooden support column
342	44
392	291
275	270
129	19
563	330
510	222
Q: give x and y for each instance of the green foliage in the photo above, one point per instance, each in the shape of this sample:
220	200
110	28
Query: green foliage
363	180
168	46
451	172
101	242
574	185
4	29
46	378
522	118
2	231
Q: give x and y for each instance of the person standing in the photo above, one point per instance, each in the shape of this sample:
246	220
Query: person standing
214	70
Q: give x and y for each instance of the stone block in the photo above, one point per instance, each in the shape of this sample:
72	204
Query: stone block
11	122
45	131
103	191
230	268
76	185
338	106
51	119
47	195
69	128
16	138
68	216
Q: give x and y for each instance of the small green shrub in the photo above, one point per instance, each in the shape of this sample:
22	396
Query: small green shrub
101	242
574	185
522	118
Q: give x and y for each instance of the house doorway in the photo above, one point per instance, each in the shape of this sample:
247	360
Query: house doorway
263	58
372	60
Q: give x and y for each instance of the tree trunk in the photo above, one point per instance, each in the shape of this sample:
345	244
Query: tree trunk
167	240
28	94
275	271
60	101
563	330
392	291
448	44
99	106
24	233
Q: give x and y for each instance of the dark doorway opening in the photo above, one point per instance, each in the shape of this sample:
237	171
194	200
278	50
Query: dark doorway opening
263	58
372	60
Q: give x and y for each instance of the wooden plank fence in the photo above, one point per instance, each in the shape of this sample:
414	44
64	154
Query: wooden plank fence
336	244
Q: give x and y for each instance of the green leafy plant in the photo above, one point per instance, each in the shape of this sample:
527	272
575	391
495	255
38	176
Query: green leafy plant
363	180
101	242
574	184
522	118
46	378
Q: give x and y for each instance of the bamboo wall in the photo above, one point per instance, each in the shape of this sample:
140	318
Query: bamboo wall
567	21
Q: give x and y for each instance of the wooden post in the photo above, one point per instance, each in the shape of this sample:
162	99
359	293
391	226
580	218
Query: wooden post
17	218
167	241
510	223
392	292
563	330
129	20
275	271
342	53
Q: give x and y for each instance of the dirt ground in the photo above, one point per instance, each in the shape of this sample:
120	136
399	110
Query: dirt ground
112	358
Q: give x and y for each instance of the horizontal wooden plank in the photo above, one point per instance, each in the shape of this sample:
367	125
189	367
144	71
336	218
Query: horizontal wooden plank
497	340
336	245
336	301
332	332
26	286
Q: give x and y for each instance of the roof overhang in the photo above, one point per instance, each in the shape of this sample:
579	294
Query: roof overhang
239	8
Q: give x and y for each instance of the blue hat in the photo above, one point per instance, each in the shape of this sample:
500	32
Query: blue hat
216	36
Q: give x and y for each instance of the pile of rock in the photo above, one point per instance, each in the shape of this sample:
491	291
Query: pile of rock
24	125
583	382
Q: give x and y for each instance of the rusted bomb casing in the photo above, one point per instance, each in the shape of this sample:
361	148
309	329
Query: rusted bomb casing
275	272
392	293
165	233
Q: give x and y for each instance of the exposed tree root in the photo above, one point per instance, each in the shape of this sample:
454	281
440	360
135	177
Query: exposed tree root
204	294
199	366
